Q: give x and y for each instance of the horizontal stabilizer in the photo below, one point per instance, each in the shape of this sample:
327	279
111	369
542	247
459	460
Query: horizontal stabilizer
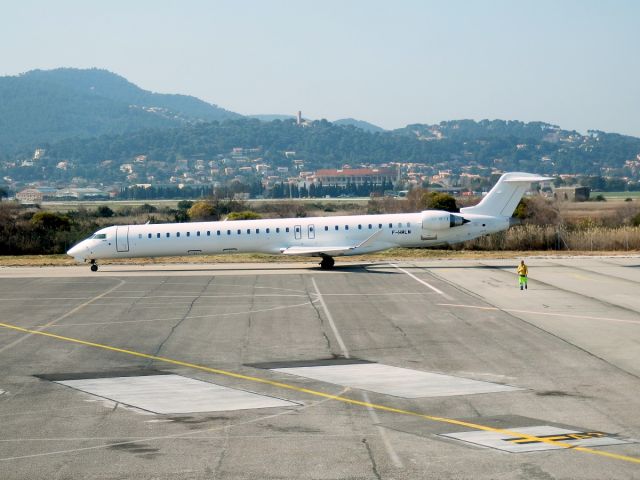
528	179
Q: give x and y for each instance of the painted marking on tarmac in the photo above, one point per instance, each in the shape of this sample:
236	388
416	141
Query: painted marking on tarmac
437	290
550	314
248	312
395	459
63	316
317	393
511	444
324	395
332	324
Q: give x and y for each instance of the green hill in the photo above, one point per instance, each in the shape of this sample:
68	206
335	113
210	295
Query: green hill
474	147
49	105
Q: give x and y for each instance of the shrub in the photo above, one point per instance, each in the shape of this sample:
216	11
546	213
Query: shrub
246	215
104	212
202	211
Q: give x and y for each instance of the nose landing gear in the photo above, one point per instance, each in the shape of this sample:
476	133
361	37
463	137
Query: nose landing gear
94	266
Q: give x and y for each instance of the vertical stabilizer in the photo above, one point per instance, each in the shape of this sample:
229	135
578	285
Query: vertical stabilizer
503	198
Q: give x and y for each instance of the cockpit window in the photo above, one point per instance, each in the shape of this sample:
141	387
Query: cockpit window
100	236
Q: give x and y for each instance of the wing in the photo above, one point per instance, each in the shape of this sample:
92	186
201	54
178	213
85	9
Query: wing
329	250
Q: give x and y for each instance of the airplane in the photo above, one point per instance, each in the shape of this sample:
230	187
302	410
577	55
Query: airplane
325	237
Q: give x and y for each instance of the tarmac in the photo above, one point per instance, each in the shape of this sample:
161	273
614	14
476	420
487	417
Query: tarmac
438	369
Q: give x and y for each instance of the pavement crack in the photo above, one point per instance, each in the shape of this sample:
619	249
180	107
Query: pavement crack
184	317
323	328
247	337
223	453
374	465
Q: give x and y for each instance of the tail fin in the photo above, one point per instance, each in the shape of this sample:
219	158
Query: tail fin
503	198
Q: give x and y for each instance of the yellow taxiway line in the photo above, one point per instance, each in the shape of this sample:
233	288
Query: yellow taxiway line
338	398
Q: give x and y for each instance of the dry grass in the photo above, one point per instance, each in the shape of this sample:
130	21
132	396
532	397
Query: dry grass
396	254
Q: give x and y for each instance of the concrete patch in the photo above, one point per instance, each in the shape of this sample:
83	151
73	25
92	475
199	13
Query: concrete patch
308	363
399	382
168	394
515	444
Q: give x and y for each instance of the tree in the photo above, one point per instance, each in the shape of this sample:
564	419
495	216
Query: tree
185	204
440	201
104	211
50	221
201	210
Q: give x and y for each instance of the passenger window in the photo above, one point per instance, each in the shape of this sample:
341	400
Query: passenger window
150	235
391	225
188	234
257	230
239	231
267	230
297	229
370	227
346	227
248	231
208	233
379	225
168	234
359	227
228	232
218	233
197	234
157	235
326	228
337	227
139	235
277	229
287	229
177	234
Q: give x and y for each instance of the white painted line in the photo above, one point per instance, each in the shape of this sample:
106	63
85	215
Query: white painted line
509	443
167	394
396	381
63	316
395	459
550	314
372	413
195	295
437	290
247	312
343	347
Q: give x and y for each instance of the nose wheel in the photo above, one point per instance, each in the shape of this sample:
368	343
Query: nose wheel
94	266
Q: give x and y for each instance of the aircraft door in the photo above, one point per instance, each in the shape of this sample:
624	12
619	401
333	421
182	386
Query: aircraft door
298	231
311	232
122	239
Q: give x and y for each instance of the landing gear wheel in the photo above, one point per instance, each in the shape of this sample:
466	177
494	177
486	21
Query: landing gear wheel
327	263
94	266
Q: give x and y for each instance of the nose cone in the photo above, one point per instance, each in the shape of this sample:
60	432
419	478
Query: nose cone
78	252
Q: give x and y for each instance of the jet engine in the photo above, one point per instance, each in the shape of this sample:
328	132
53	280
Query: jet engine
441	220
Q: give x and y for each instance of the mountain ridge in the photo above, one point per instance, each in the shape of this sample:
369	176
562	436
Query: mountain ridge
51	105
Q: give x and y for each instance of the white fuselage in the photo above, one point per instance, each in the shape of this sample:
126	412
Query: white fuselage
343	235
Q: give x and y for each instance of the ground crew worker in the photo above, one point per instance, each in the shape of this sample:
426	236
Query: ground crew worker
523	271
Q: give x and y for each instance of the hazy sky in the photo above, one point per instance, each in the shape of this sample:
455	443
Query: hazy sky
572	63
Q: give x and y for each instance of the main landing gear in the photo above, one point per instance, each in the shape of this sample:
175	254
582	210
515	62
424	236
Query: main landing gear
94	266
327	262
